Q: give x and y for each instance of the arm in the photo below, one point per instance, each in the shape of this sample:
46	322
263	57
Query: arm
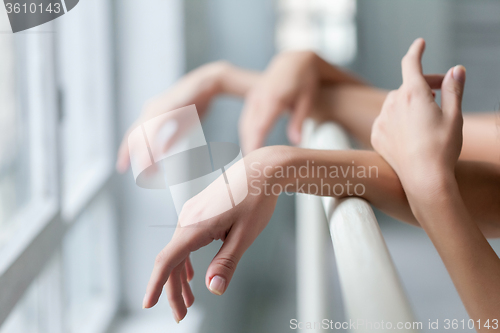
291	83
238	227
197	87
422	142
471	262
300	70
478	183
342	98
481	137
356	107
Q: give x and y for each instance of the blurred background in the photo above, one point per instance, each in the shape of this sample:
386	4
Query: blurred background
76	240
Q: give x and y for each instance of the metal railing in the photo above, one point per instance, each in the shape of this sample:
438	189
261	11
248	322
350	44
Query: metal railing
370	286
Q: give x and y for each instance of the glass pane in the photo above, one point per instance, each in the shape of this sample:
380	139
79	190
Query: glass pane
324	26
14	135
39	310
87	263
84	55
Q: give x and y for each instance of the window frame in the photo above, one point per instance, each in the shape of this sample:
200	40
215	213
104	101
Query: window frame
46	219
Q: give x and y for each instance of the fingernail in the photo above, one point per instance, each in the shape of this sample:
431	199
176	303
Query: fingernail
175	317
144	302
459	73
217	285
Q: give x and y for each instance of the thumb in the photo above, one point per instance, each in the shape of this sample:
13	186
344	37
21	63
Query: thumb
452	90
304	105
221	269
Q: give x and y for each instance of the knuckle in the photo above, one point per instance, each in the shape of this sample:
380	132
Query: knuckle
175	299
253	97
408	95
454	89
374	138
407	92
172	298
229	262
274	100
376	141
160	259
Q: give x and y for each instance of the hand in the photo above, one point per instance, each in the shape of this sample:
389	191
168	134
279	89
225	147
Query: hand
198	87
290	82
237	228
420	140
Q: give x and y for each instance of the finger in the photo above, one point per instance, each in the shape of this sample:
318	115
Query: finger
189	269
412	62
123	158
173	288
300	113
187	293
172	255
452	90
221	269
256	121
172	140
434	80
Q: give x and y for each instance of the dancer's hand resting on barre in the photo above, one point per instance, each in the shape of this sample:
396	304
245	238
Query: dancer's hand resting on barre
291	82
422	143
355	107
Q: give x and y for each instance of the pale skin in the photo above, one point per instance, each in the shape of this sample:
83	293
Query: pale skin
424	157
343	99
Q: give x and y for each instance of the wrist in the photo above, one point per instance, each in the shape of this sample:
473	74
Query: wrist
430	188
443	197
264	163
219	72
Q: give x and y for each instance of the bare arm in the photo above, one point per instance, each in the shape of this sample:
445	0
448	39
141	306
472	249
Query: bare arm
481	137
341	99
238	227
356	107
422	142
471	262
478	183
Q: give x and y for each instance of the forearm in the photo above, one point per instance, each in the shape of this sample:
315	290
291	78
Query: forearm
329	73
481	137
236	81
342	97
354	107
471	262
479	183
344	173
